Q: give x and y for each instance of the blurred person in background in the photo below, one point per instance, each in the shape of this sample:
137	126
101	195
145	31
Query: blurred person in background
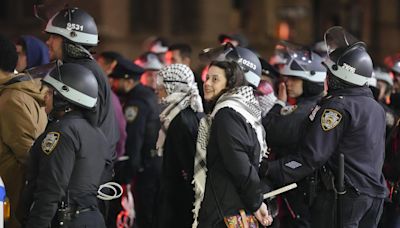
151	65
107	61
22	120
143	166
31	52
158	46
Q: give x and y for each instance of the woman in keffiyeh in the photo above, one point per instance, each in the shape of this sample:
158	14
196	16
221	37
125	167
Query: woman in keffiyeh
179	95
230	144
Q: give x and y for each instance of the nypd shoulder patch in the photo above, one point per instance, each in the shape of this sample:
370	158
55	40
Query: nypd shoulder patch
131	113
288	109
330	119
49	143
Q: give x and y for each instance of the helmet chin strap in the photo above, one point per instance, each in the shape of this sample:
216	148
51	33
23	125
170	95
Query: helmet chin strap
56	113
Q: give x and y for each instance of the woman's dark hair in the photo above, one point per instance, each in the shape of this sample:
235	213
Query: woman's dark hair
234	77
234	74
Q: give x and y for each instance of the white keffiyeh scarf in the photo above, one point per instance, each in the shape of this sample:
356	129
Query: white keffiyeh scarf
243	101
178	81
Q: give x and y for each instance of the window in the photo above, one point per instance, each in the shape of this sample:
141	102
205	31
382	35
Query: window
145	16
184	17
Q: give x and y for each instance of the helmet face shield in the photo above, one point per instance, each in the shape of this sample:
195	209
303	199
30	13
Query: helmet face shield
218	53
338	38
347	57
301	62
42	70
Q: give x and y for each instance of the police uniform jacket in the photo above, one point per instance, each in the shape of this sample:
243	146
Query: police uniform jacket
104	115
177	193
284	125
232	183
142	115
22	120
347	121
66	164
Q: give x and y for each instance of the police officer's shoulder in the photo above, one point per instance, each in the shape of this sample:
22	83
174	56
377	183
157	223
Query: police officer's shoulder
61	130
331	100
330	112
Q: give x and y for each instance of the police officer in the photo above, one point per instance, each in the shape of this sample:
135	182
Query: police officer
73	32
382	89
347	121
67	160
304	77
141	112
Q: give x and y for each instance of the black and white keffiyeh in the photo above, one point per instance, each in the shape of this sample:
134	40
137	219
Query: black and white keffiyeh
243	101
182	92
266	103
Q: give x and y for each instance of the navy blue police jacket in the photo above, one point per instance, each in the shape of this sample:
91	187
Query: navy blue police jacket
347	121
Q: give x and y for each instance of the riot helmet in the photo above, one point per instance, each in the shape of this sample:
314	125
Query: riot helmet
301	62
382	75
347	57
75	25
247	60
72	84
396	66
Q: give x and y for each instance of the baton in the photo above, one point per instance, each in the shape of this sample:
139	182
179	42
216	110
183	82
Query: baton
278	191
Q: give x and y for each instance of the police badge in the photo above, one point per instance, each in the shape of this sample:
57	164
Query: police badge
50	142
131	113
330	119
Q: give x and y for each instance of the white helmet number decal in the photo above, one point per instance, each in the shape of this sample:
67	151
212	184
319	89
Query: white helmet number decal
73	26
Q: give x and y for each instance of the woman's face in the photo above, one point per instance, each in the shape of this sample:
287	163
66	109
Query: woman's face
294	87
215	82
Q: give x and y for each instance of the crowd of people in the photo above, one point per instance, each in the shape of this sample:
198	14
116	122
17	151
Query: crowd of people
197	149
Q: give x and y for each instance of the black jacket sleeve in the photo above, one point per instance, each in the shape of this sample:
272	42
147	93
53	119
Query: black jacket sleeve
135	134
237	152
55	169
317	147
281	129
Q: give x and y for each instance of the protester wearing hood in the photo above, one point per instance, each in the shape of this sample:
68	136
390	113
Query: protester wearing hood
31	52
22	120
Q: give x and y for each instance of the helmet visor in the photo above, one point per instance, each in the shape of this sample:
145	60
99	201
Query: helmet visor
338	38
42	70
299	58
224	52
